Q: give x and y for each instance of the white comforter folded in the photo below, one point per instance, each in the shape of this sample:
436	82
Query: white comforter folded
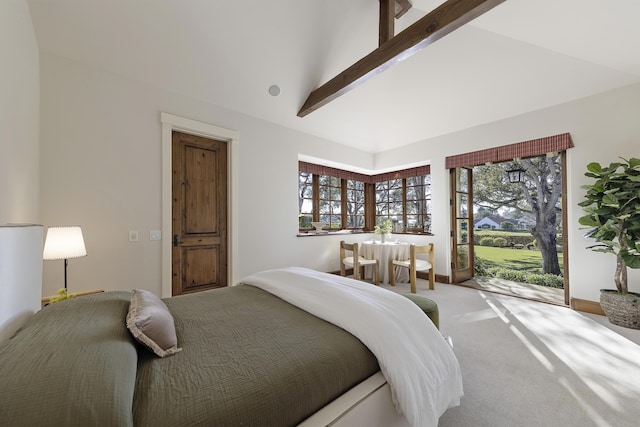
418	364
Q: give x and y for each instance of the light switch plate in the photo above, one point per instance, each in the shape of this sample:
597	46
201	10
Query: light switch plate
133	235
155	235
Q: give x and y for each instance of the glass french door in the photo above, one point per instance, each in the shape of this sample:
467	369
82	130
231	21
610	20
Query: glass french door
461	224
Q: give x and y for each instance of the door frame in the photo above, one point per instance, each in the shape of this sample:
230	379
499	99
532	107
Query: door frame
170	123
565	231
453	203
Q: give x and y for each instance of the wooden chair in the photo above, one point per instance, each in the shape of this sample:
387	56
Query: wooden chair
414	265
356	262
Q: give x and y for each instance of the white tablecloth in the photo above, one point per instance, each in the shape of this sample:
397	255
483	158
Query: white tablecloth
384	252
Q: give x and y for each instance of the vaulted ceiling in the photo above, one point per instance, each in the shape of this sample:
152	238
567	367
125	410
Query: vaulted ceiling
521	56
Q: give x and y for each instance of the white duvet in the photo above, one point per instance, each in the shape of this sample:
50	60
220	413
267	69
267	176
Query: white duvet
420	367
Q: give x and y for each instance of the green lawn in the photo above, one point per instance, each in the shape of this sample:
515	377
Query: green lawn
516	259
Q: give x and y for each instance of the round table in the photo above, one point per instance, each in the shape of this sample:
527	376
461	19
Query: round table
383	252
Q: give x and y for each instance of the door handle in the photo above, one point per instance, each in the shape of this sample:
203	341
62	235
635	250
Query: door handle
175	240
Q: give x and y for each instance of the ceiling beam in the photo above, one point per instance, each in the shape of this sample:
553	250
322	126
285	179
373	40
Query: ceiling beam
388	10
386	22
402	6
436	24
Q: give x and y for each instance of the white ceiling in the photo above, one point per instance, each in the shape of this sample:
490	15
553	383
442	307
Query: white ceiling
521	56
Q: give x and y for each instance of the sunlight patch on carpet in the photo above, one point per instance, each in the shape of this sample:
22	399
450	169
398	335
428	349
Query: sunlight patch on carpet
566	341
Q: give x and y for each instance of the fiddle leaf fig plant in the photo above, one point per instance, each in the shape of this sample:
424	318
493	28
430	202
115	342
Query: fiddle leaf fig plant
612	207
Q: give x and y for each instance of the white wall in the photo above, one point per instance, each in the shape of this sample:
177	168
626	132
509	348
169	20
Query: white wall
19	115
20	279
603	127
101	168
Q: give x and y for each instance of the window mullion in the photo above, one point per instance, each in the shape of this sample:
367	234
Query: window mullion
404	203
316	197
369	206
343	204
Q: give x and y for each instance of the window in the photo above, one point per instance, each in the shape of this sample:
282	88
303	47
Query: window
355	204
330	201
305	200
339	203
389	201
407	202
340	198
418	203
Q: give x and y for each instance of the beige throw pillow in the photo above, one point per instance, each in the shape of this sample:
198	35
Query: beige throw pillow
151	323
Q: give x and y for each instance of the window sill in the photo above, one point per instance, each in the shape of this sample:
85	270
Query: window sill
329	233
333	233
414	233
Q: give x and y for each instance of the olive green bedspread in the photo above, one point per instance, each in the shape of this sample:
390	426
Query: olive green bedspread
248	359
72	364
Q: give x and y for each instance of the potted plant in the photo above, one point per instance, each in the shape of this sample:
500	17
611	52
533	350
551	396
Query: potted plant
383	229
612	207
62	295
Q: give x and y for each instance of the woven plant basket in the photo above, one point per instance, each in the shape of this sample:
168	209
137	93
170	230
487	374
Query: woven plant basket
621	309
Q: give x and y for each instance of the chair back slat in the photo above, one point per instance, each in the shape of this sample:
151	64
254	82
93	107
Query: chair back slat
355	255
413	251
353	248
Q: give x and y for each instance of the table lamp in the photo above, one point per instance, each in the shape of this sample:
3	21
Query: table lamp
64	243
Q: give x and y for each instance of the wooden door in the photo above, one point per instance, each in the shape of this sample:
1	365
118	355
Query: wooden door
461	224
199	213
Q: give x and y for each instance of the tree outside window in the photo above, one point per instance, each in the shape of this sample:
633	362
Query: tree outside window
339	203
305	200
418	203
406	202
355	204
389	202
330	201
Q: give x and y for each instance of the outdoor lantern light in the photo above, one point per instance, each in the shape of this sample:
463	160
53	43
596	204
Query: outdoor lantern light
516	175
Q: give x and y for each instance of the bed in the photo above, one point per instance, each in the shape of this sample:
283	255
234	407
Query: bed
287	346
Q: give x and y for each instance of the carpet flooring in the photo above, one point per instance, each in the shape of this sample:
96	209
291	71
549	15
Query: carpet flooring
527	363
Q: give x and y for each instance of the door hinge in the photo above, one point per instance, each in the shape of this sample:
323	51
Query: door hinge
175	240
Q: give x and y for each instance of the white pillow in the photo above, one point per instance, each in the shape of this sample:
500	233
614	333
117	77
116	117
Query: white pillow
151	323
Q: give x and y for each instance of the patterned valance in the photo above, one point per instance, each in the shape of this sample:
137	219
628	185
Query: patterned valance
405	173
524	149
370	179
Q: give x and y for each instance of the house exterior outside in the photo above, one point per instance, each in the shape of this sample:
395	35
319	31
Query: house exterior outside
486	223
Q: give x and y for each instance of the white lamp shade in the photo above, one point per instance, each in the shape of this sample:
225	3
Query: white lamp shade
64	243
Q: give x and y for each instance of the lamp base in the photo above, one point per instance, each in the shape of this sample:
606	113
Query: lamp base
66	264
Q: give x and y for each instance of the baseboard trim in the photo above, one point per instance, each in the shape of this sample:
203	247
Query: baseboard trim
442	279
438	277
586	306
